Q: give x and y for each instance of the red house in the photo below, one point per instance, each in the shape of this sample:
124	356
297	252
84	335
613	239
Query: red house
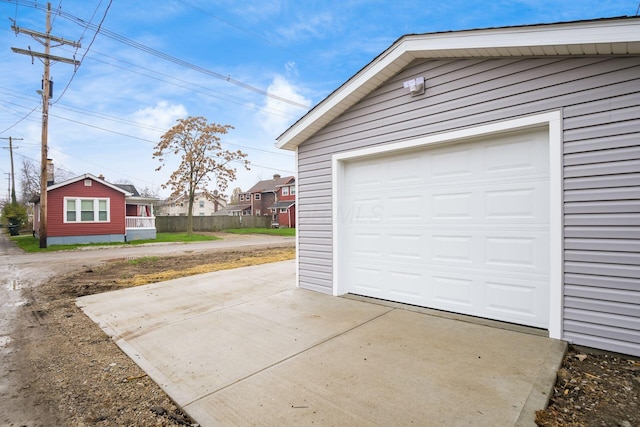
88	209
284	210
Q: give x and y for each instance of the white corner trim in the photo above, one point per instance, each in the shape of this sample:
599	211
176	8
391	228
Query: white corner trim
552	120
556	233
297	223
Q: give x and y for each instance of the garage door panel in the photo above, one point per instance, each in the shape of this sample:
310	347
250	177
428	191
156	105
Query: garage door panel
517	251
521	154
462	228
498	250
451	163
519	299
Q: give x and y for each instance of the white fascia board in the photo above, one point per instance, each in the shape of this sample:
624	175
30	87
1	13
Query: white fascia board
582	33
372	75
613	36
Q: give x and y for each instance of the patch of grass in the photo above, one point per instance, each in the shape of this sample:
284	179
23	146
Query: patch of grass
271	231
143	260
31	244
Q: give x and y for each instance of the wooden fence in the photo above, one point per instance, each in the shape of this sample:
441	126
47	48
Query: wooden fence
168	224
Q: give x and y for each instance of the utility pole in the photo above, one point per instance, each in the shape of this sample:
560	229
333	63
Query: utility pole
46	40
13	175
8	183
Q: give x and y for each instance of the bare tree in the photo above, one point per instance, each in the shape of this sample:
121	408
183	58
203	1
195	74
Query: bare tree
29	180
202	157
149	192
235	196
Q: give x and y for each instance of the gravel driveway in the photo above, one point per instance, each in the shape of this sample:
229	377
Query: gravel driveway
21	272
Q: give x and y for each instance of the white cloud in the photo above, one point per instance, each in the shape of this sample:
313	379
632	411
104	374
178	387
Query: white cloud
273	124
161	116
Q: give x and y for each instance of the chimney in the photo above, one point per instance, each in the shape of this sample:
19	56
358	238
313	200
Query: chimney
50	178
276	176
101	177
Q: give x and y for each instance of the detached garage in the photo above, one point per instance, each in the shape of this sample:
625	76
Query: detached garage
492	173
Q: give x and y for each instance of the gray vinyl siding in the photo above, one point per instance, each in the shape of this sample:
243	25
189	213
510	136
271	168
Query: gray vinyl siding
600	102
602	223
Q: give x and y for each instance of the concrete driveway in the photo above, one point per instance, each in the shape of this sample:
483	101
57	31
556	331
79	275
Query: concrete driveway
245	347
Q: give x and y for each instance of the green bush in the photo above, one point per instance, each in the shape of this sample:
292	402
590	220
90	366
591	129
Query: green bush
14	214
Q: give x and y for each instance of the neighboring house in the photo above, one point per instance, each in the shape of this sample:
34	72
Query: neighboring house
234	210
202	205
88	209
263	199
494	173
283	211
264	194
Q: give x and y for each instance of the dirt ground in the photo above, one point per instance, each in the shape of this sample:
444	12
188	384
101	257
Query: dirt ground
72	372
594	389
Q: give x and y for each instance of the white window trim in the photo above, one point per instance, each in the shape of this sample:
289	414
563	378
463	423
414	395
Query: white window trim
552	120
285	191
257	196
96	210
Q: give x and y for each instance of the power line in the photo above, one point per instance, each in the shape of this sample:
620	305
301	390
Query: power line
217	94
244	30
19	121
153	128
95	34
166	57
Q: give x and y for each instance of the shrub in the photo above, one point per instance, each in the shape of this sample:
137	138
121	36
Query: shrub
14	214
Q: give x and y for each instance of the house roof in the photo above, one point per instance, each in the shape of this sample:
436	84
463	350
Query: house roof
130	188
283	204
610	36
288	182
236	208
270	185
93	177
175	199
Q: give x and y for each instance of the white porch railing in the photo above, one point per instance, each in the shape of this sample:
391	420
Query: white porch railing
140	222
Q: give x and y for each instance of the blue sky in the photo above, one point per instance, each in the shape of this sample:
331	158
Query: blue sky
122	98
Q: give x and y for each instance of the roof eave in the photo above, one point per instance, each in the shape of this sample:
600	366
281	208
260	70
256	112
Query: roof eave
598	37
89	176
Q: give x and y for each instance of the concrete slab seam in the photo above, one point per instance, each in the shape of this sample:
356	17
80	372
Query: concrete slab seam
239	380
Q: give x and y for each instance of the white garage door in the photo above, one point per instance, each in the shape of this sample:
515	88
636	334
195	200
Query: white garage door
457	227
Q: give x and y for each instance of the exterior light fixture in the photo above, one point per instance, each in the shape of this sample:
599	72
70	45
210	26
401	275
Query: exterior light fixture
415	86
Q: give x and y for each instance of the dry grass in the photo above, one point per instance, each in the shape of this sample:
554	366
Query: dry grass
278	254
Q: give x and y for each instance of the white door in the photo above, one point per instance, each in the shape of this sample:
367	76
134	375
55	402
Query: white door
458	227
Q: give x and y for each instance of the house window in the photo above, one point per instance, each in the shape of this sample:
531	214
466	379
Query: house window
258	212
285	191
257	196
86	210
88	183
103	212
292	190
283	210
201	203
71	211
242	197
